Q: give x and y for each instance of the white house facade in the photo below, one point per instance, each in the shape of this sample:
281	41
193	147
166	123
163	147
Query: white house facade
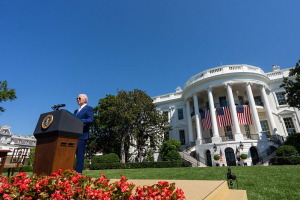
227	87
9	141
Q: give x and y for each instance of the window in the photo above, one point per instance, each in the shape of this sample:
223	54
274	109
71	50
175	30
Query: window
257	100
247	131
228	132
180	113
289	125
19	141
165	113
210	133
241	100
26	141
223	101
280	98
265	128
182	137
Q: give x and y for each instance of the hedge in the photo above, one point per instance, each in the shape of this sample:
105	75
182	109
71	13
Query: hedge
289	160
286	150
107	158
26	168
136	165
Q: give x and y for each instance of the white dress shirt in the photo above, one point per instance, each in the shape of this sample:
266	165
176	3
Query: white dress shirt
79	109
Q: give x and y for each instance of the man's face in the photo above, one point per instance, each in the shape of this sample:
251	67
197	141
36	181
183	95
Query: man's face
81	100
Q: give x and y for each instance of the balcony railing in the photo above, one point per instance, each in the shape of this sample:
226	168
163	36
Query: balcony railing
218	105
206	140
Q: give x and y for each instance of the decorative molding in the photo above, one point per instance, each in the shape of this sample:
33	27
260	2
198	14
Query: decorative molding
209	88
228	83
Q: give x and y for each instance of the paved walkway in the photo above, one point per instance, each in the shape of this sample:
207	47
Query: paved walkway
193	189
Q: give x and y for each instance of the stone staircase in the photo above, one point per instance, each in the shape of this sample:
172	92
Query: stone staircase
195	162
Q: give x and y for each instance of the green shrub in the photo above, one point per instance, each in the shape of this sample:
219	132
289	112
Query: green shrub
173	155
289	160
216	157
167	147
286	150
244	156
27	168
294	140
107	158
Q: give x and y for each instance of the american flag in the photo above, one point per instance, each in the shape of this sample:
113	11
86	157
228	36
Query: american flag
206	120
243	114
224	116
221	155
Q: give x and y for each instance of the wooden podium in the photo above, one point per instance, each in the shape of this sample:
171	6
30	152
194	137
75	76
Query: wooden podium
57	136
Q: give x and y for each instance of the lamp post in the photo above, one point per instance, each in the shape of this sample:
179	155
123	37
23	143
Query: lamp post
241	145
215	147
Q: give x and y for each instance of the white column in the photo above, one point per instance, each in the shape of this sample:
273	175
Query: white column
189	120
197	119
254	112
216	136
237	131
268	109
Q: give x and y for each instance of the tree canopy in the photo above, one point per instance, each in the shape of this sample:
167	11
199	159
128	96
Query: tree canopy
170	150
129	115
292	87
31	156
6	94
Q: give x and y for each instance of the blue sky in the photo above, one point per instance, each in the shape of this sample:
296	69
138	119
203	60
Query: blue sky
51	51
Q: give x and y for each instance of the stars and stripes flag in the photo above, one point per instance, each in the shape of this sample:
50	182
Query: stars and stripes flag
206	120
224	116
221	155
243	114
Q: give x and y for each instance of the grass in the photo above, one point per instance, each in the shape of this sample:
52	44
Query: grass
261	182
272	182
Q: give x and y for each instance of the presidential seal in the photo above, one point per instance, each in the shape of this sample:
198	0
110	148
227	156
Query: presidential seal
47	121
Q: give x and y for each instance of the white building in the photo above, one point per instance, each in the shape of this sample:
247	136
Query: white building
9	141
230	85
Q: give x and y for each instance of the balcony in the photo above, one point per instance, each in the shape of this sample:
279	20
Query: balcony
223	104
206	140
225	69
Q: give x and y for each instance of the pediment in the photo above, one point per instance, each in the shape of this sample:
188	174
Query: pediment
180	126
286	111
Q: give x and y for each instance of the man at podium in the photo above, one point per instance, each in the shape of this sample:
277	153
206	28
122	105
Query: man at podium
86	114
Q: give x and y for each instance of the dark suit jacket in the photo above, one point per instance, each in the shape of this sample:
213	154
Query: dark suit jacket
87	116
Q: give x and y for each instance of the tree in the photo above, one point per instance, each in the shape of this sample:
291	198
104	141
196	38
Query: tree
6	94
292	87
294	140
105	133
31	156
130	114
170	150
149	127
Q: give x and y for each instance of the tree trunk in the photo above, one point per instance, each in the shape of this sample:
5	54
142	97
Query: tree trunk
122	151
139	154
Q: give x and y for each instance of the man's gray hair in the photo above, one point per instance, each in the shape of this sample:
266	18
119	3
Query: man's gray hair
84	96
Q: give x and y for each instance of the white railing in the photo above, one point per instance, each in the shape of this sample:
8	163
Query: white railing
223	70
176	95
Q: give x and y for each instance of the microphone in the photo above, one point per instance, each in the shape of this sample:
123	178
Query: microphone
56	107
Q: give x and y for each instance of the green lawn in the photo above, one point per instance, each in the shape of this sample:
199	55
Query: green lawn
272	182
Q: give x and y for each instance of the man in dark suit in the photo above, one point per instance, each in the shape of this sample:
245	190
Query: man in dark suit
86	114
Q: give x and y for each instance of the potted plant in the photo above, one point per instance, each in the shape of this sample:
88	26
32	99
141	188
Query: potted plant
217	158
244	157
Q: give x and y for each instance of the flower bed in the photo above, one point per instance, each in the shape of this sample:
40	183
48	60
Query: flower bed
71	185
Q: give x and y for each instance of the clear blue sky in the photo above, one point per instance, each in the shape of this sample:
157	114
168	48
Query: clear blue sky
51	51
